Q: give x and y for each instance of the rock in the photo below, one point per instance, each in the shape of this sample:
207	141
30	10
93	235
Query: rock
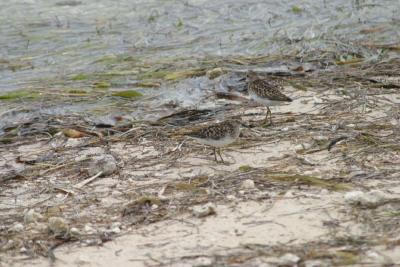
32	216
248	184
73	142
202	262
58	225
89	229
289	259
303	146
103	163
316	263
116	224
214	73
204	210
318	100
378	259
320	138
17	227
115	228
372	199
102	121
231	197
74	232
259	262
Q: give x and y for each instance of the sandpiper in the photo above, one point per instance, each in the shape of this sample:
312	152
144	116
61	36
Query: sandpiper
266	93
218	135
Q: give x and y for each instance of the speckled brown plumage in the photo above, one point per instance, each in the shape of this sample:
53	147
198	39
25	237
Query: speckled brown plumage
265	92
217	131
218	135
268	89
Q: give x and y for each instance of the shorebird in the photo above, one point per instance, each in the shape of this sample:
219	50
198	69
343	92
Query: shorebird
218	135
266	93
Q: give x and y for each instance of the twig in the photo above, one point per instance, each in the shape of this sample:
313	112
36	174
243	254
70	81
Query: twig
335	141
88	180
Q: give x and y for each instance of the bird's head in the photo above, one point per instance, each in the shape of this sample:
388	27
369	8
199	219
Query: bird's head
251	75
237	120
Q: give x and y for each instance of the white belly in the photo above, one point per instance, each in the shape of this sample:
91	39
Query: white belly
216	143
265	101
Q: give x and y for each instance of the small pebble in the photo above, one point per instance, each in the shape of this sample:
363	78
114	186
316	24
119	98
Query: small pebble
289	259
74	231
89	229
116	224
230	197
202	262
303	146
248	184
204	210
17	227
320	138
115	230
104	163
58	225
32	216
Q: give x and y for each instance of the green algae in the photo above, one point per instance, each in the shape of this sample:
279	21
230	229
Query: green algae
77	92
101	85
80	77
156	74
179	75
18	94
296	9
128	94
245	168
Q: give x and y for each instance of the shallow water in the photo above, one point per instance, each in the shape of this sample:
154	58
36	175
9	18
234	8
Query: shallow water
65	37
45	43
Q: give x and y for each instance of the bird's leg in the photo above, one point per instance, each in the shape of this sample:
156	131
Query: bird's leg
266	117
270	116
219	153
215	154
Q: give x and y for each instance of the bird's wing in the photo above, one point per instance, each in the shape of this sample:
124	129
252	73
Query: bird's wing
212	131
271	90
